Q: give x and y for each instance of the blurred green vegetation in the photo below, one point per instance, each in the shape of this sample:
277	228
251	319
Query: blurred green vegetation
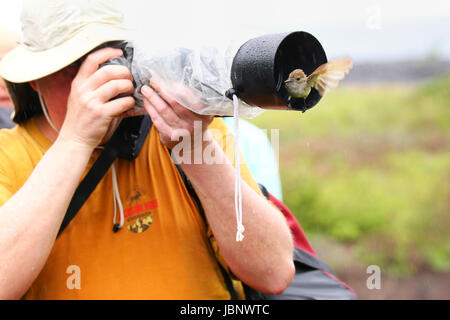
370	167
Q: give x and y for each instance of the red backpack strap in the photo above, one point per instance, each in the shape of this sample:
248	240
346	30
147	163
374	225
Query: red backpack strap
301	242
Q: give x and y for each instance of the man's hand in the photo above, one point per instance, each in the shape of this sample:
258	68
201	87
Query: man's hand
169	116
90	111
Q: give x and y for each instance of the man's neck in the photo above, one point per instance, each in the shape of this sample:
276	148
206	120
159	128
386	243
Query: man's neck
46	129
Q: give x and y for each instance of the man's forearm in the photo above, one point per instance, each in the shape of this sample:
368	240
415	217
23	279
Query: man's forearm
264	258
30	220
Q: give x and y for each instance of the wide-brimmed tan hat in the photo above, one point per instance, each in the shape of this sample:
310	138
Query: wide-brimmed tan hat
56	33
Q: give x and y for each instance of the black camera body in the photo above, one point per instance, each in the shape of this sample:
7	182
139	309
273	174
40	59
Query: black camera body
125	60
130	136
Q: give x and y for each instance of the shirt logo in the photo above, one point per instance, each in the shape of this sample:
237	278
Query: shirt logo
138	214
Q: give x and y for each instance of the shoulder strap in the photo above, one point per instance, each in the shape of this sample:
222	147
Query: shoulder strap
198	203
126	143
88	185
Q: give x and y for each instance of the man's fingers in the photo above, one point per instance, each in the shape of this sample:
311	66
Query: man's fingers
171	118
118	106
158	87
186	95
181	111
157	120
113	88
163	107
108	73
95	59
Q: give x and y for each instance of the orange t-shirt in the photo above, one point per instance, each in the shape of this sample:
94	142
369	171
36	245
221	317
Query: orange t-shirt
163	251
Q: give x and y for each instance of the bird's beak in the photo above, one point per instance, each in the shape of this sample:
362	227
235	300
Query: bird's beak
288	80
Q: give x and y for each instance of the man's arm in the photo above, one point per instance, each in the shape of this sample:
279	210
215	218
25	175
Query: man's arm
263	260
30	220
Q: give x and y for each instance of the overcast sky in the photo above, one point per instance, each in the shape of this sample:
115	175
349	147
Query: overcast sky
365	30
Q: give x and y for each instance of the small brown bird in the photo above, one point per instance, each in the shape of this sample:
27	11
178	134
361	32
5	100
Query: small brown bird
325	77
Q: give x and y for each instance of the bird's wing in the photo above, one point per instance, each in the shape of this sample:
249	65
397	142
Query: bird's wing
328	75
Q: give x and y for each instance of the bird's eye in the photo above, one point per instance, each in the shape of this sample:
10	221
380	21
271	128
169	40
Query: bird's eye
298	79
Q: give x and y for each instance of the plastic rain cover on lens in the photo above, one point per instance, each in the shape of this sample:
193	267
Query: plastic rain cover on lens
204	72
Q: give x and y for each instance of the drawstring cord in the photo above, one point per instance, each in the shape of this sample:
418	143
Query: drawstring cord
44	108
117	202
116	194
237	178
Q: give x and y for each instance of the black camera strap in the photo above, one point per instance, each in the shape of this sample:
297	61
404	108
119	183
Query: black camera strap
126	143
194	196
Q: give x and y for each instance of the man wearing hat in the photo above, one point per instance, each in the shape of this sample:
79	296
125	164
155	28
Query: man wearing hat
65	112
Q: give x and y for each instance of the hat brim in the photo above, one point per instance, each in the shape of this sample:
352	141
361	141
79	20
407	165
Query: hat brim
21	65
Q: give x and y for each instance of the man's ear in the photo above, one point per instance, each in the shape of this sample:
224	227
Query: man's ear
33	85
